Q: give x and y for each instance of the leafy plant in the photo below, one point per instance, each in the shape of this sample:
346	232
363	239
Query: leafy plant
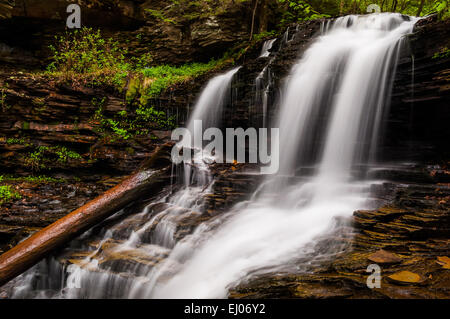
163	76
84	55
159	15
13	140
42	155
259	36
8	194
443	53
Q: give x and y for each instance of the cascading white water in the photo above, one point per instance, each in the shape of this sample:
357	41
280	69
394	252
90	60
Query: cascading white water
95	282
208	109
329	118
263	82
210	103
343	74
265	51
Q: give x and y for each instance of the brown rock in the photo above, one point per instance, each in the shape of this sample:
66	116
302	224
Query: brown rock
384	257
406	277
444	261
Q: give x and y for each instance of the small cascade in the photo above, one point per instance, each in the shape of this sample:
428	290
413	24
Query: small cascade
209	109
285	38
263	83
265	51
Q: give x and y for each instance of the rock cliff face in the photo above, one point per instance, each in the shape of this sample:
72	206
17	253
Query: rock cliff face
415	123
421	96
174	32
408	236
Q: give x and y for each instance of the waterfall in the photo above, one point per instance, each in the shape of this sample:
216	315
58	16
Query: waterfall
265	51
329	118
342	76
263	84
210	104
152	239
208	109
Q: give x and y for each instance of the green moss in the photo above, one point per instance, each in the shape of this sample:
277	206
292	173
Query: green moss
65	154
127	124
13	140
159	15
151	115
41	179
164	76
263	35
134	87
8	194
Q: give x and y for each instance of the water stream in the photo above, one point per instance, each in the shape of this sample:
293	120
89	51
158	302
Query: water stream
329	119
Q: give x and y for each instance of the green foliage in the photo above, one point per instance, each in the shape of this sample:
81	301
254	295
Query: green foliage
42	155
8	194
443	53
41	179
263	35
65	154
84	51
164	76
408	7
159	15
125	125
441	7
13	140
115	127
84	55
159	118
298	10
143	61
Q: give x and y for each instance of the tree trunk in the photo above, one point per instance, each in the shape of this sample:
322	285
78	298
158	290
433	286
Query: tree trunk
263	16
341	7
355	5
149	178
253	19
403	6
394	5
419	11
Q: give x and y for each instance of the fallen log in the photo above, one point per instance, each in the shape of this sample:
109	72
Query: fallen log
149	177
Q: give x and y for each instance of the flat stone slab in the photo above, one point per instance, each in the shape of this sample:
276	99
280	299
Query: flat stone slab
406	277
384	257
444	261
